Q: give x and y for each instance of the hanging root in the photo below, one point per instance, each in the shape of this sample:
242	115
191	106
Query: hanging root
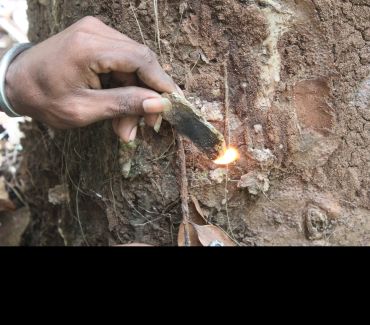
137	22
184	194
157	31
227	137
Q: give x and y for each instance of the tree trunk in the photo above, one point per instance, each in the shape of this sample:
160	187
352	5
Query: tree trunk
287	82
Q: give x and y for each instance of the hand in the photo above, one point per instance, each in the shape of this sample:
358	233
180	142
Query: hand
59	81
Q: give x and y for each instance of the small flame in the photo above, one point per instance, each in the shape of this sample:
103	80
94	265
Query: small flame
230	155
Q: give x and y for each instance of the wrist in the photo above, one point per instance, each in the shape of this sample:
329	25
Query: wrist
13	86
9	83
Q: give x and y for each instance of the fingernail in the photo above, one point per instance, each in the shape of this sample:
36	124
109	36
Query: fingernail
133	134
156	105
158	123
179	90
167	106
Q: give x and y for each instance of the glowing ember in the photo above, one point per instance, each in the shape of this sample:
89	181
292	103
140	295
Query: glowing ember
230	155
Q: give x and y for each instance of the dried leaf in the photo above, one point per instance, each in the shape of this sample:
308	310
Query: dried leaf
197	207
6	205
210	234
193	236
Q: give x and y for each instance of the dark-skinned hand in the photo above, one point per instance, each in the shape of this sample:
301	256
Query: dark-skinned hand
59	81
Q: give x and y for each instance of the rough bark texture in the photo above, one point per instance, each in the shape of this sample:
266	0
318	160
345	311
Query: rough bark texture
295	79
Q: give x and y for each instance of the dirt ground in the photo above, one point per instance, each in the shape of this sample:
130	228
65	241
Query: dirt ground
287	82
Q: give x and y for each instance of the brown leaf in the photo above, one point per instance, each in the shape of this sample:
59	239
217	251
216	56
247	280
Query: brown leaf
210	234
7	205
197	207
193	236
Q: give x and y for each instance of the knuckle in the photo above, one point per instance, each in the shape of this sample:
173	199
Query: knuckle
126	104
148	55
88	22
77	39
103	64
77	119
123	104
74	115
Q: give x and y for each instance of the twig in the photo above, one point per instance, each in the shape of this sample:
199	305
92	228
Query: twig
148	222
114	199
191	70
78	215
184	195
227	103
227	137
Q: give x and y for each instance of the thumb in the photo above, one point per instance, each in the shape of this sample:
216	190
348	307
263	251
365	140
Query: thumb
110	103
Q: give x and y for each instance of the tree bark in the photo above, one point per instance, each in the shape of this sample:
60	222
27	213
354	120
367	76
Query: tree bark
294	80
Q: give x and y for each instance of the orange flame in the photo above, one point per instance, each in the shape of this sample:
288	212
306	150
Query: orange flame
230	155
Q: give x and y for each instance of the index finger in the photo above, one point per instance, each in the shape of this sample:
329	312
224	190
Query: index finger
121	56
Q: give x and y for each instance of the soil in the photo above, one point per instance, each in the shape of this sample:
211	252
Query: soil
297	75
